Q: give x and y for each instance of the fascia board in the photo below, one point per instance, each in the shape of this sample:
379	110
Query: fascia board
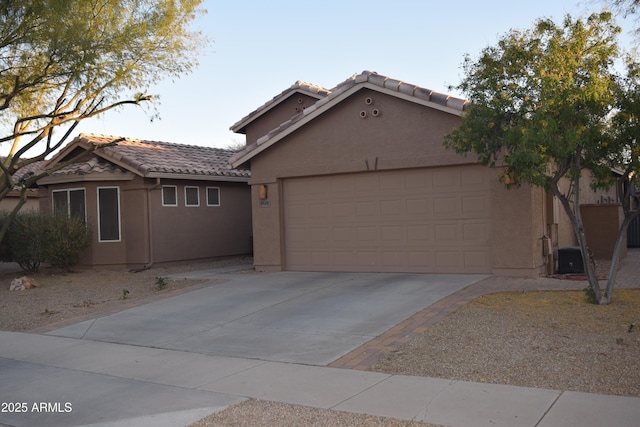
92	177
187	177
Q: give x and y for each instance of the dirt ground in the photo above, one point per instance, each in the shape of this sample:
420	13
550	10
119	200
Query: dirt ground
65	295
553	339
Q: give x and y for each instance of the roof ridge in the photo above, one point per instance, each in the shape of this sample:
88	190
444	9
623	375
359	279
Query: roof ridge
153	141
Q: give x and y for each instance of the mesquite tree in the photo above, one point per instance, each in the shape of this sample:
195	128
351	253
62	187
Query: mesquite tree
542	103
64	61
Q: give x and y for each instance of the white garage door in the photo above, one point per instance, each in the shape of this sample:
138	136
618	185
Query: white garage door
435	220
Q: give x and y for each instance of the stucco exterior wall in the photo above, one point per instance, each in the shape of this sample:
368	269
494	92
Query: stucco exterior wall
285	110
98	253
190	233
601	225
402	135
10	201
174	234
518	227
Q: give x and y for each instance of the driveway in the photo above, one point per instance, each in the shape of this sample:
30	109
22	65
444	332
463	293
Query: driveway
306	318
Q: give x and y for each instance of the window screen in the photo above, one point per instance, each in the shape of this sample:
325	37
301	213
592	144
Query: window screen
191	196
213	196
70	202
169	195
108	214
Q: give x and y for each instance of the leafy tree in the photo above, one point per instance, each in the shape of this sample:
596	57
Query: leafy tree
63	61
541	103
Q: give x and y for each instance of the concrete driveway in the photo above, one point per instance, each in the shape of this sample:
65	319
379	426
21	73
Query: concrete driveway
307	318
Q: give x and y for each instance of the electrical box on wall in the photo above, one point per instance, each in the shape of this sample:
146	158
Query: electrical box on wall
570	260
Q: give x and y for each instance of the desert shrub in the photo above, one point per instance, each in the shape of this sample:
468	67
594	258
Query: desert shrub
35	238
66	239
27	240
5	246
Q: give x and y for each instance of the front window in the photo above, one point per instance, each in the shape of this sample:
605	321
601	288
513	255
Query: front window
70	202
108	214
191	196
169	195
213	196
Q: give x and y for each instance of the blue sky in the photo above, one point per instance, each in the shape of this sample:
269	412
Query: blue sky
260	48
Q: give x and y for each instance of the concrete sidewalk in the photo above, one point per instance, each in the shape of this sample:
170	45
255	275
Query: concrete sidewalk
93	383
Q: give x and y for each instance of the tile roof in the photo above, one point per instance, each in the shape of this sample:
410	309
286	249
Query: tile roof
312	90
94	165
154	159
370	79
25	172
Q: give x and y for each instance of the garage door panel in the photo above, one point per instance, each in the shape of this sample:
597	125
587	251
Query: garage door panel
393	260
342	261
320	258
392	234
476	258
445	207
366	208
368	259
391	208
420	220
475	233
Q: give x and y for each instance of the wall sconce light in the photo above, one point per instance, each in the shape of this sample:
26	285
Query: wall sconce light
262	192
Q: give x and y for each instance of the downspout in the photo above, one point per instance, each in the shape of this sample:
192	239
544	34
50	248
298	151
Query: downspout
150	262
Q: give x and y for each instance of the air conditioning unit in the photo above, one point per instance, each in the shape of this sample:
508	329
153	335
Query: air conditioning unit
570	260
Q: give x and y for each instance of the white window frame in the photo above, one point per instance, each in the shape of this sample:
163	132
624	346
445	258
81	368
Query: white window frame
191	187
219	201
68	191
100	239
175	189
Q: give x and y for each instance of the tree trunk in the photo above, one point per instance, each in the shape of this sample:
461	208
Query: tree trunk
573	212
615	259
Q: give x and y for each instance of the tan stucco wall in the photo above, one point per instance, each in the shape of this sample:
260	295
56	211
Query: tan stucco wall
287	108
188	233
588	197
10	201
180	234
518	224
403	135
601	225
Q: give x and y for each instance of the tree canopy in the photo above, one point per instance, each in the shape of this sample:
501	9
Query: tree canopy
542	103
65	61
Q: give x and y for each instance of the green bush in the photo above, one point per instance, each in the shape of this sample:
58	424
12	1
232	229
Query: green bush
5	247
27	240
67	238
35	238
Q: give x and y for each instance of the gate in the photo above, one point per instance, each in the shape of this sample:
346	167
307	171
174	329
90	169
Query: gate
633	233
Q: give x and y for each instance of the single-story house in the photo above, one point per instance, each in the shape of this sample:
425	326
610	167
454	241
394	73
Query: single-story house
356	178
151	202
